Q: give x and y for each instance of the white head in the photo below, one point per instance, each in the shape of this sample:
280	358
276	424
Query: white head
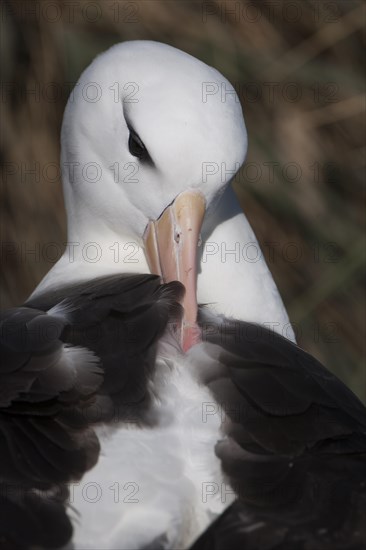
186	114
141	127
193	138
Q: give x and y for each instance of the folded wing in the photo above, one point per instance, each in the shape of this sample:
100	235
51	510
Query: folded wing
71	358
294	448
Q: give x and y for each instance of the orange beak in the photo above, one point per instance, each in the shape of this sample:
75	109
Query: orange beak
171	244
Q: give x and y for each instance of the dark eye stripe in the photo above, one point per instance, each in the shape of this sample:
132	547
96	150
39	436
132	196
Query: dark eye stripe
137	147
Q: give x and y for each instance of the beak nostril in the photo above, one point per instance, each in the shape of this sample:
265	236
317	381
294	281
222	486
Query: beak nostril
177	237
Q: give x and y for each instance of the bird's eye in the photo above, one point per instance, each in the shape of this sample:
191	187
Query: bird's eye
136	147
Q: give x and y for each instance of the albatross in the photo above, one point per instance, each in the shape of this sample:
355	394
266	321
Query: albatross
152	393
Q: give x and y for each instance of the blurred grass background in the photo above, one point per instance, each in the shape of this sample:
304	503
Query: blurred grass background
298	68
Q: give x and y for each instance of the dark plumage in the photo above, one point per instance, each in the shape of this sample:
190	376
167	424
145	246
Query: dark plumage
295	451
295	444
52	391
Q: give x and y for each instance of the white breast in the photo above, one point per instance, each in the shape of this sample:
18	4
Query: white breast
155	482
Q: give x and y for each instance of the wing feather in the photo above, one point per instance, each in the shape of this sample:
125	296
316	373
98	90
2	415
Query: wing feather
71	358
294	448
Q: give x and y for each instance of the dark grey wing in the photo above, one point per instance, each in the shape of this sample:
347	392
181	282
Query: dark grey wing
295	445
119	318
45	440
64	360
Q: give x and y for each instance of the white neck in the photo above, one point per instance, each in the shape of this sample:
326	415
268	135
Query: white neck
93	249
234	279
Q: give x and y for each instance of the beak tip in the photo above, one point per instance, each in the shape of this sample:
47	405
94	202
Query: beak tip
191	335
